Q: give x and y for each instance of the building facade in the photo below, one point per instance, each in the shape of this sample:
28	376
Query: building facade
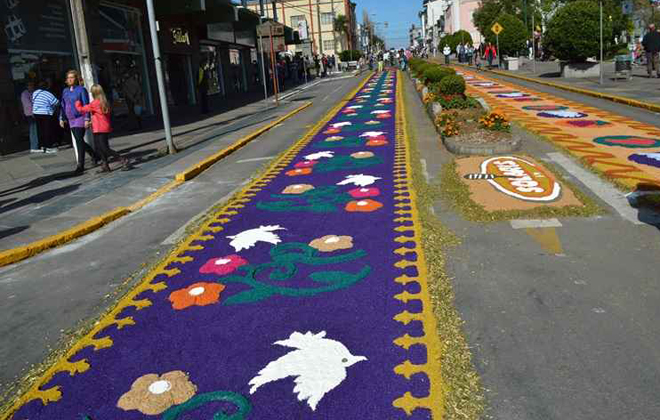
210	38
459	17
314	21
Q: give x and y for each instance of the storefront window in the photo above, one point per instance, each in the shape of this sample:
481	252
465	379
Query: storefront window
123	44
210	62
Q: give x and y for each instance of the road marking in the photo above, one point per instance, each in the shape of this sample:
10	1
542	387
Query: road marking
297	91
604	191
532	224
425	171
548	239
255	159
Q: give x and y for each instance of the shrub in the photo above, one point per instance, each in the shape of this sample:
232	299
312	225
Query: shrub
421	70
573	31
350	55
435	74
457	102
452	85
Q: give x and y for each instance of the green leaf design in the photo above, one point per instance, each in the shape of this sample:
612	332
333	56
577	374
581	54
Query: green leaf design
243	406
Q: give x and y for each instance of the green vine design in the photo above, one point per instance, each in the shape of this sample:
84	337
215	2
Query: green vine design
343	162
243	406
319	200
347	142
284	266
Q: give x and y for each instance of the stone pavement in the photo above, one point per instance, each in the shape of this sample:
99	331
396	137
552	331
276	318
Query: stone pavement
39	196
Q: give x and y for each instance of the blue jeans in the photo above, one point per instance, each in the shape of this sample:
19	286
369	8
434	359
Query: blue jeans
34	136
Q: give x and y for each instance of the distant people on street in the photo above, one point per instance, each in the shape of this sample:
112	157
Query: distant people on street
470	54
490	54
44	106
76	121
530	49
651	44
324	62
446	51
381	62
132	92
99	109
26	102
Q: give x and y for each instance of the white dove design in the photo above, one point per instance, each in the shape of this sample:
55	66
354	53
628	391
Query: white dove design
319	155
360	180
318	363
341	124
248	238
372	134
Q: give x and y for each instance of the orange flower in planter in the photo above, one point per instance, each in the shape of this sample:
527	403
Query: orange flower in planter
363	206
299	171
198	294
377	142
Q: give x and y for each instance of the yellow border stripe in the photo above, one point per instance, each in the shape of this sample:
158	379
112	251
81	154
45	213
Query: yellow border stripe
222	216
14	255
403	183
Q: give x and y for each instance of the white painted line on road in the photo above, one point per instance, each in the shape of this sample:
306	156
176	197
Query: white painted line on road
604	191
534	223
425	169
255	159
295	92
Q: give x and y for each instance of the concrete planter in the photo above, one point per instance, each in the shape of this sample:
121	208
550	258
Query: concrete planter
580	70
462	148
512	63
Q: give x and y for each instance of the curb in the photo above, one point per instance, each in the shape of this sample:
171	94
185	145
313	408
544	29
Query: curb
17	254
613	98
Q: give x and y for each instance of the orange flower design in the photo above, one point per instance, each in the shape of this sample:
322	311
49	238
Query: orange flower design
332	131
299	171
377	142
198	294
363	206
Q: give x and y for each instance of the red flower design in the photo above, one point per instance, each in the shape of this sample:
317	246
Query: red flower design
377	142
306	164
364	192
384	116
222	265
299	171
332	131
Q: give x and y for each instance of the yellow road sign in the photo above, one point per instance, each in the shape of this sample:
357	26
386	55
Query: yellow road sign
496	28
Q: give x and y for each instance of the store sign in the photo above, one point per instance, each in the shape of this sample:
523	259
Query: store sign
36	25
302	30
221	32
180	36
278	45
268	28
519	178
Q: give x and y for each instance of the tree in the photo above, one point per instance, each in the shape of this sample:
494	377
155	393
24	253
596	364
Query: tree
572	31
458	37
340	26
512	39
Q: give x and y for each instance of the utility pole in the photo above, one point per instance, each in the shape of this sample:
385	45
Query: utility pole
261	47
158	61
601	42
311	18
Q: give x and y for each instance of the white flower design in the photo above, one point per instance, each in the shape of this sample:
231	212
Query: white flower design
319	155
372	134
512	95
381	112
248	238
341	124
360	180
355	107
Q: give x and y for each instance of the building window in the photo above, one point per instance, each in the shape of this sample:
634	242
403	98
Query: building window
328	45
327	18
295	20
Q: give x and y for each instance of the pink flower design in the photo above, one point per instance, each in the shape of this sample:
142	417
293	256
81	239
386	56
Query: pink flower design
222	265
364	192
306	164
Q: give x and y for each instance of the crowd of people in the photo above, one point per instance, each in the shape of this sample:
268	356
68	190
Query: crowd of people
469	54
295	69
75	113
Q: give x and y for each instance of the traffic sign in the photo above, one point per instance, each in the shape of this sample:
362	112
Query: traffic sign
496	28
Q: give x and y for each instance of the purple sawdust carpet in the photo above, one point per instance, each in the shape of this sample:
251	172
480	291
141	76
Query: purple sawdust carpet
304	298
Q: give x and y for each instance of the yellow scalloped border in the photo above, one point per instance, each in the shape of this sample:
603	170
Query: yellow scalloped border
212	225
409	230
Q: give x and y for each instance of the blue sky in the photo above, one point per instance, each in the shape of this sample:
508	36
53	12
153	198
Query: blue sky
399	14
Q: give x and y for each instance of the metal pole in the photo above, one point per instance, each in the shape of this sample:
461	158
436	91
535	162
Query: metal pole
159	77
533	45
272	64
263	64
311	19
601	42
499	53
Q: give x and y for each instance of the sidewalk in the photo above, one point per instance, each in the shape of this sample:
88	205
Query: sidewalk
39	196
639	88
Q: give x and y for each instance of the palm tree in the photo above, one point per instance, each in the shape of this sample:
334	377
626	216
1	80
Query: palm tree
340	25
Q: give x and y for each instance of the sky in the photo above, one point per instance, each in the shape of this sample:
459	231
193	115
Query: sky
399	14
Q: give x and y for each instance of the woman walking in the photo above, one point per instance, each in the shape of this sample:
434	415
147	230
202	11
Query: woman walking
44	105
490	54
77	122
102	127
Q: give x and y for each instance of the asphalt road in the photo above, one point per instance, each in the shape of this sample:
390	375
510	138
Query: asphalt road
52	293
573	335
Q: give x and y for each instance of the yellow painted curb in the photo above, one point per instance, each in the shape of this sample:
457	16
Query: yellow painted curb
613	98
200	167
14	255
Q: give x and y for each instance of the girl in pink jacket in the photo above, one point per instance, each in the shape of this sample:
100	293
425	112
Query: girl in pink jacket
102	127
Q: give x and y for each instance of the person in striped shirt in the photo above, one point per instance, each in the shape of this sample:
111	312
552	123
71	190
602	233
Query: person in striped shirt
44	106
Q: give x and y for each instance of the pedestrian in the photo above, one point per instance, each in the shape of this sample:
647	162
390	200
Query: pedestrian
324	62
470	54
132	92
381	62
446	51
99	109
458	52
44	106
651	44
76	121
490	54
26	102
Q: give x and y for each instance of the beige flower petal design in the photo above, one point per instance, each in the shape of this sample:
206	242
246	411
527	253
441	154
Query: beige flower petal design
331	243
151	394
362	155
297	189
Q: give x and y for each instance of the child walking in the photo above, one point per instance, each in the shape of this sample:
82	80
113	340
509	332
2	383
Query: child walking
102	127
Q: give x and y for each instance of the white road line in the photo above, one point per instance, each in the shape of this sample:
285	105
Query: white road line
604	191
295	92
425	171
530	224
255	159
